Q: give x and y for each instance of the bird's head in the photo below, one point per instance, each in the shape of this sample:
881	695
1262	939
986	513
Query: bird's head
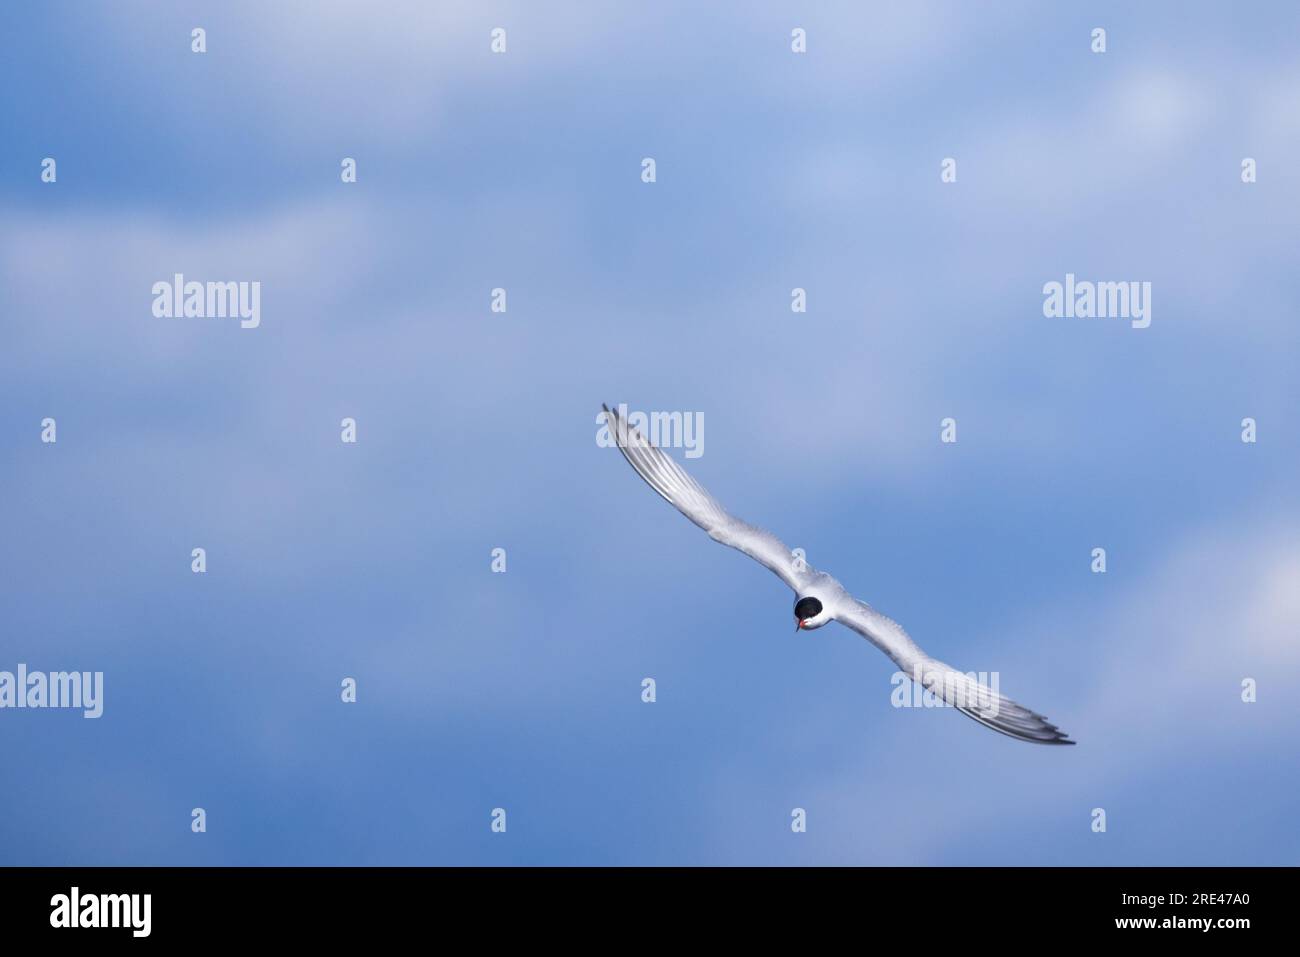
809	614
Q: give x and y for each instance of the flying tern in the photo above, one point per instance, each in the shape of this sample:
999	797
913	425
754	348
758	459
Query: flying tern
820	599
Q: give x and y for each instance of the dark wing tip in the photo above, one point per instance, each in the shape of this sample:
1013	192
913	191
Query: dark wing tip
1045	733
1058	740
1058	737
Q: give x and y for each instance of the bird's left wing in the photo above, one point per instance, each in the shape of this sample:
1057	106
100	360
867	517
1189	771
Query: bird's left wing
962	691
690	498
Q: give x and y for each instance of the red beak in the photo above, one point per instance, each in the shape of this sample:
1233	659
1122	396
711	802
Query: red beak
798	623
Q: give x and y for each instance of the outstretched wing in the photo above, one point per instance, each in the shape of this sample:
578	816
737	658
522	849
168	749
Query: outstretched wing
967	695
690	498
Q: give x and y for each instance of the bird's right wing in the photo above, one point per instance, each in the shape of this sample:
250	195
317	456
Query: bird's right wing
963	692
690	498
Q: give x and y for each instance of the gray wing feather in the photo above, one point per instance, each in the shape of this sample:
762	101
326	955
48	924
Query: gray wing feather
690	498
963	692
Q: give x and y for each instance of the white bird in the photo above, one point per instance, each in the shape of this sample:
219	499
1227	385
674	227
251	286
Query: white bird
819	598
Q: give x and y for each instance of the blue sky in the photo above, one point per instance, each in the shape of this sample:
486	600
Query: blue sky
477	430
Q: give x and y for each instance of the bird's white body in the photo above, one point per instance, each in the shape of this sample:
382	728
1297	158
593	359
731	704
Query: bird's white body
962	691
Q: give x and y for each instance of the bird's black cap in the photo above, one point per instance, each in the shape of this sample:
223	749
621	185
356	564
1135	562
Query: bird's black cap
807	608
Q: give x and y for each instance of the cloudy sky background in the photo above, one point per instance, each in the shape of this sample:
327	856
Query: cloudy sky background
477	430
